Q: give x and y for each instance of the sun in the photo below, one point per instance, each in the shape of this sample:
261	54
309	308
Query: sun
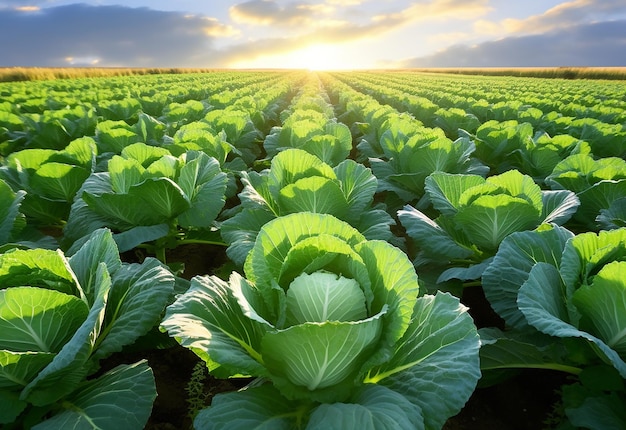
312	57
317	57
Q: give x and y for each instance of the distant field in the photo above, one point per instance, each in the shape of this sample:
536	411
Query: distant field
540	72
9	74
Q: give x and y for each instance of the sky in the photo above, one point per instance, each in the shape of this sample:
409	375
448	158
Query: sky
313	34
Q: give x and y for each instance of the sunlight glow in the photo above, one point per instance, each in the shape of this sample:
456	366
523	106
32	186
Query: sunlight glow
27	9
82	61
313	57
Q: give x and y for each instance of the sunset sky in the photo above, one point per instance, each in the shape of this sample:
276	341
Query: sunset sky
316	34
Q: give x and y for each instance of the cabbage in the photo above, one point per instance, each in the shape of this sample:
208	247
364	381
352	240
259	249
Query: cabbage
332	326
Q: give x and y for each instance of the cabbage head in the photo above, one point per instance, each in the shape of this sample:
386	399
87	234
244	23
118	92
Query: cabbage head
331	326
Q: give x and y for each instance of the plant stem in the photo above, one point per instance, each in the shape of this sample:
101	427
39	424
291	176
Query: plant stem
547	366
472	284
159	252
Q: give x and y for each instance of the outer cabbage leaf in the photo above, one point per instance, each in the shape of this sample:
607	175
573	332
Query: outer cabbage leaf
69	366
37	268
132	238
50	178
587	253
445	189
120	398
58	181
433	239
82	220
241	232
30	319
614	216
394	285
435	364
373	407
99	248
543	303
512	264
603	305
558	206
9	211
357	183
597	198
502	353
258	408
124	173
147	203
204	184
318	253
333	146
313	194
289	166
139	293
594	408
219	322
489	219
17	368
12	406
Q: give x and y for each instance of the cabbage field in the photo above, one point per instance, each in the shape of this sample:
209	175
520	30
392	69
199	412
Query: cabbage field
300	250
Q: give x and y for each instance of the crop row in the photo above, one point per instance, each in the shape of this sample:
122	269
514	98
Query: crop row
355	210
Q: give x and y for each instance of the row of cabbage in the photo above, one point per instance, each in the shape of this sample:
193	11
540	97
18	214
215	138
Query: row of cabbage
320	213
68	300
590	112
470	225
573	158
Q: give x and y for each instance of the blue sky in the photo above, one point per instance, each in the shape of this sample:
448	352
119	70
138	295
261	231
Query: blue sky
332	34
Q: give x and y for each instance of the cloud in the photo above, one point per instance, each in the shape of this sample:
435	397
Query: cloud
566	14
601	44
428	10
329	31
346	2
269	12
108	36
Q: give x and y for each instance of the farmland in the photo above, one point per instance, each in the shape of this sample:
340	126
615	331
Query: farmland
358	249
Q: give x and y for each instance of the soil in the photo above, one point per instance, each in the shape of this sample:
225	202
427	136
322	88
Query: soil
526	402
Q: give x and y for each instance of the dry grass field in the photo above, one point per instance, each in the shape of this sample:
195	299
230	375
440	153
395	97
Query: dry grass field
8	74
